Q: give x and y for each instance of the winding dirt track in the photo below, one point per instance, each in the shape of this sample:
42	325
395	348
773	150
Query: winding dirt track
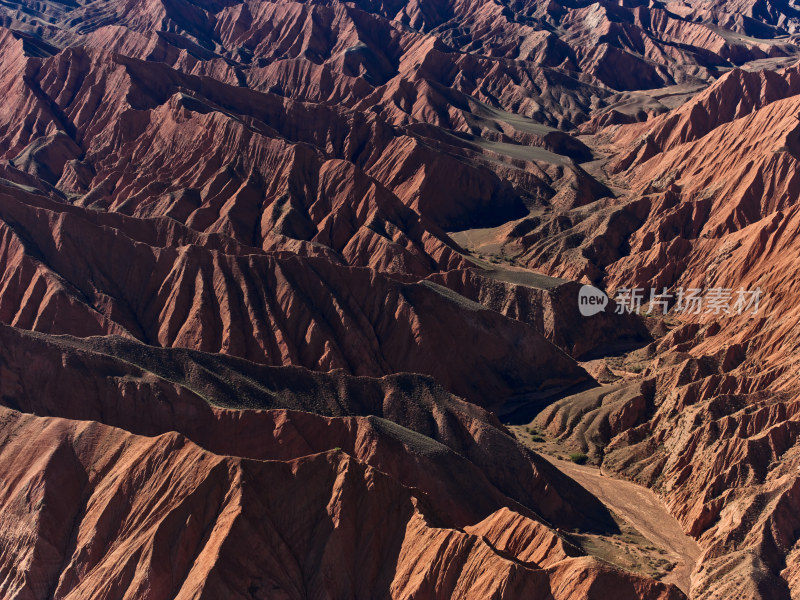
643	509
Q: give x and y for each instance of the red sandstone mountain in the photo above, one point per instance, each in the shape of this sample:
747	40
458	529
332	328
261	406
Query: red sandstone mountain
237	493
162	283
279	362
303	518
707	197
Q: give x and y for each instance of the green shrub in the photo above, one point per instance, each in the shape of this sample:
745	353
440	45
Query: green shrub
537	438
579	458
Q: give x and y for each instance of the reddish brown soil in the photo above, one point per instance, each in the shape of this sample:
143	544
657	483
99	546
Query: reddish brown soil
272	269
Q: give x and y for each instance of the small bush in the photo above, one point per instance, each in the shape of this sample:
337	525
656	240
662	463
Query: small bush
579	458
537	438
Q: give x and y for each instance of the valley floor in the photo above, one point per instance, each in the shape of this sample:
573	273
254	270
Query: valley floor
642	509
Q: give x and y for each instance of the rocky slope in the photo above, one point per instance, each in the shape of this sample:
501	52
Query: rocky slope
711	423
243	355
104	504
165	284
